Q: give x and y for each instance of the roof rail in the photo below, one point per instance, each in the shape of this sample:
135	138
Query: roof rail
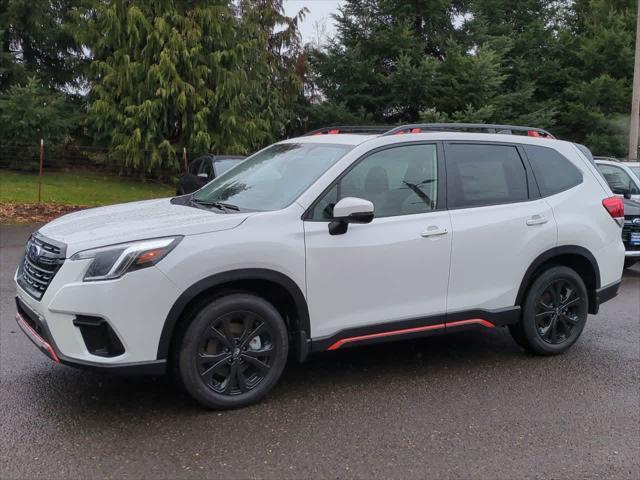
354	129
480	127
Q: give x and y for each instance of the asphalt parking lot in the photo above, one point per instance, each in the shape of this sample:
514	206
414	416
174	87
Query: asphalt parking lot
470	405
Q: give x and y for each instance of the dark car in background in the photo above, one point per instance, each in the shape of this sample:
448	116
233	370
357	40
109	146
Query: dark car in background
204	169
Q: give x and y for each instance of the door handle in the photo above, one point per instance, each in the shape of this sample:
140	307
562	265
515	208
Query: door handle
434	231
537	220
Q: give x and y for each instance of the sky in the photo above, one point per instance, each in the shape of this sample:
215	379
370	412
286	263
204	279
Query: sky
319	12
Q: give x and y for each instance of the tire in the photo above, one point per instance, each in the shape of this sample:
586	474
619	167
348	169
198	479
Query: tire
554	313
233	352
630	262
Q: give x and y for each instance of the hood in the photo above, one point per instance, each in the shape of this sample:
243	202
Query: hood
631	207
126	222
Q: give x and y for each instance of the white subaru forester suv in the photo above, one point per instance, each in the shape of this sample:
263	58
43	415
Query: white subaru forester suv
340	238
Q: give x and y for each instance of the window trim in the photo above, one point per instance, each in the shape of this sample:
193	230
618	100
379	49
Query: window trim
533	173
533	192
442	177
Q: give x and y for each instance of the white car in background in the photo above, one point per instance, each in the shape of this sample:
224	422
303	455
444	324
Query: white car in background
625	182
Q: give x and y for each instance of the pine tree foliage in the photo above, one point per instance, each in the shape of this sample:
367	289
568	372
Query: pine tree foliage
561	64
197	74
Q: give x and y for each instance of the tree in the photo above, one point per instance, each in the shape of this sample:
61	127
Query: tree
595	101
39	39
199	74
395	61
31	112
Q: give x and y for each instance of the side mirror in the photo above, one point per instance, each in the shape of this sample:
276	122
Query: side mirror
624	191
350	210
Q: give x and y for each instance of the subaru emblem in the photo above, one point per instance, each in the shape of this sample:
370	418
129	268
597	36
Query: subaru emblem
34	253
636	221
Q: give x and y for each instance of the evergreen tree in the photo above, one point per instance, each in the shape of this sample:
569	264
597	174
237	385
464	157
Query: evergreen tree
599	59
196	74
39	39
395	61
31	112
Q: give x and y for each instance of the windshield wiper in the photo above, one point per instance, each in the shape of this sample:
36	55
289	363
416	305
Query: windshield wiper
225	207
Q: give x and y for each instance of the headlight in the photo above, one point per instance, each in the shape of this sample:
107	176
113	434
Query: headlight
116	260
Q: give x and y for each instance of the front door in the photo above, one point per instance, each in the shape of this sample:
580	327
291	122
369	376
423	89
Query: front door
394	269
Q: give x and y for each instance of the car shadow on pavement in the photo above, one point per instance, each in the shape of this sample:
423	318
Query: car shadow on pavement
78	393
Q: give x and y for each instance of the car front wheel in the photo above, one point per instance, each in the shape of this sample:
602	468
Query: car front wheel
554	313
233	352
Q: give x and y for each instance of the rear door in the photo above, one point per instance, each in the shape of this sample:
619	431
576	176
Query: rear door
499	224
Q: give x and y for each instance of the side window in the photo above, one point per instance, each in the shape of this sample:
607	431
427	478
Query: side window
618	179
554	173
206	167
484	174
194	166
399	181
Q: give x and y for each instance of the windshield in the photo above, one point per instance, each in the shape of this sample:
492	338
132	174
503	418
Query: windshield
636	170
221	165
272	178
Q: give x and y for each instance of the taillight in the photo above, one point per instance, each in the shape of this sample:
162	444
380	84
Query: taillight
615	207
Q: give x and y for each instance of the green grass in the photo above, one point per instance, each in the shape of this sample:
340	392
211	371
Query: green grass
77	188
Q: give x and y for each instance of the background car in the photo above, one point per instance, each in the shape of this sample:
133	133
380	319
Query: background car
204	169
624	182
635	168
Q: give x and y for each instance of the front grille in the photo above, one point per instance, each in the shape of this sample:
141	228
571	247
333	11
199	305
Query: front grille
631	233
42	259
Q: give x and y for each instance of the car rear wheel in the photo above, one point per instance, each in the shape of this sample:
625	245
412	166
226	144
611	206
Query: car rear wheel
233	352
554	313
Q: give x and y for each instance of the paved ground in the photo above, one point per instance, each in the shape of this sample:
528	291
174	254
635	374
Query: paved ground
466	406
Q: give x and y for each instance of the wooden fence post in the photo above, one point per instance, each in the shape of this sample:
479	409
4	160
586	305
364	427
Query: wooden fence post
40	175
184	158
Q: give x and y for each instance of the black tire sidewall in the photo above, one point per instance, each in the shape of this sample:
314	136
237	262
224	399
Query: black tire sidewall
190	344
534	342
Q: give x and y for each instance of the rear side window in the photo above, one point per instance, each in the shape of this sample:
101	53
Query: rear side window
554	173
484	174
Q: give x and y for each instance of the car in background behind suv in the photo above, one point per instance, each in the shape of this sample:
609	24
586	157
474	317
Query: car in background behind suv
635	168
204	169
624	182
339	238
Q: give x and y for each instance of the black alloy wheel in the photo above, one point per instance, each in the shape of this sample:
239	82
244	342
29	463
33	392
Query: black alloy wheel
233	352
558	311
236	353
554	312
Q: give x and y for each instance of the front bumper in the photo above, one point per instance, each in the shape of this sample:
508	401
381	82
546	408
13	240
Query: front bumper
39	334
632	253
74	320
